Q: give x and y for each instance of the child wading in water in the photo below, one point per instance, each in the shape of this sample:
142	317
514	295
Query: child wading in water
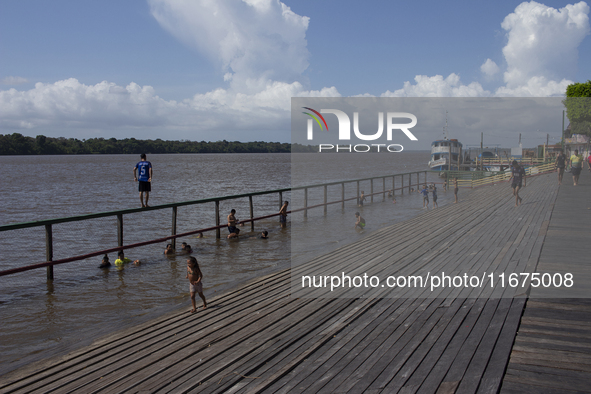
195	282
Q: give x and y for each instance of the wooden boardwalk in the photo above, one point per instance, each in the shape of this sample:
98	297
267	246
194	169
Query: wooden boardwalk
552	351
256	338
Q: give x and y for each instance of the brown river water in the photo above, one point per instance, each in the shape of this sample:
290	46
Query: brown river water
42	318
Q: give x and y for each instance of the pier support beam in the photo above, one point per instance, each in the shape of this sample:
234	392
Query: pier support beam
252	211
371	190
217	219
384	189
173	241
306	202
325	198
49	250
343	195
119	229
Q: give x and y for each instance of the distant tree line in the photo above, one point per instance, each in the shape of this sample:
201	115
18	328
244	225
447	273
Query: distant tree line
17	144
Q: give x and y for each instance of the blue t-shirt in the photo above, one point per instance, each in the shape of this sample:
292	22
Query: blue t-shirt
425	193
143	168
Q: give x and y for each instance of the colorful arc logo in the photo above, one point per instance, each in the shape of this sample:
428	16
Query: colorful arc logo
315	118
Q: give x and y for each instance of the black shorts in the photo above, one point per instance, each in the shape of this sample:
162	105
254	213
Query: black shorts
514	185
145	186
233	229
576	171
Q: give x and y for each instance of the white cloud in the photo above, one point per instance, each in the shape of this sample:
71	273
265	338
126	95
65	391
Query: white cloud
541	54
252	40
72	105
489	68
14	80
437	86
542	43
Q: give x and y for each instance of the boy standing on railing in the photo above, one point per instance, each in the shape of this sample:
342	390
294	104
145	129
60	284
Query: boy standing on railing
517	176
144	177
195	282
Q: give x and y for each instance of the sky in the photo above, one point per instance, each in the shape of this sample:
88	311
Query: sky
227	69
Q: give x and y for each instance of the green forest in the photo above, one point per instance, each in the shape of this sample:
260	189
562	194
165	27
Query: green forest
18	144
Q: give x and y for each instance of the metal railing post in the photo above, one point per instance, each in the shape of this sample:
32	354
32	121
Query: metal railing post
217	219
173	241
49	250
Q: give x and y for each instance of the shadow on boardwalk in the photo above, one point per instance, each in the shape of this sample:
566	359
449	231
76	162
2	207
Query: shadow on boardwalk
256	338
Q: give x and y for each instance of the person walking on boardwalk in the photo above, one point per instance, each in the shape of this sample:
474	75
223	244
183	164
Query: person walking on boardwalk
144	177
195	282
517	178
560	164
434	191
576	164
283	214
425	193
456	189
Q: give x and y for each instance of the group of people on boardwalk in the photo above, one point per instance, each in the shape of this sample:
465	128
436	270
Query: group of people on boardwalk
576	165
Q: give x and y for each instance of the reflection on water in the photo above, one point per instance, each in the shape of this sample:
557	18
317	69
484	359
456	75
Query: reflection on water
83	302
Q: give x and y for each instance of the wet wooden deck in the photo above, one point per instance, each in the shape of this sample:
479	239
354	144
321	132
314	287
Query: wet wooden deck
256	338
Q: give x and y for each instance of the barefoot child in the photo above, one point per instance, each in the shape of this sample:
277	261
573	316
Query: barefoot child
360	222
195	282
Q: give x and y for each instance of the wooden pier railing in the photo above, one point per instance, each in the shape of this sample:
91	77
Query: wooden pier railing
405	181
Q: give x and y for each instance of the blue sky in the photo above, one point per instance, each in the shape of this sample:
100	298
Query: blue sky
205	70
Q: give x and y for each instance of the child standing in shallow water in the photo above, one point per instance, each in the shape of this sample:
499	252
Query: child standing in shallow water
195	282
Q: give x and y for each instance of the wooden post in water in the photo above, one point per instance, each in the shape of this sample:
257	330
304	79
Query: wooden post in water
49	250
280	204
217	219
357	192
306	202
418	180
173	241
252	211
371	189
343	195
393	185
384	188
119	229
325	198
402	185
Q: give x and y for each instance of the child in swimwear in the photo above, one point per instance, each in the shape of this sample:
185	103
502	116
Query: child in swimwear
195	282
456	190
361	198
105	263
360	221
169	249
122	260
186	248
